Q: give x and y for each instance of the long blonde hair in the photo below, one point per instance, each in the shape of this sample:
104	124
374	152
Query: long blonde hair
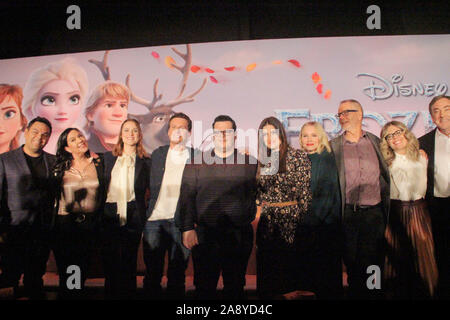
66	69
412	149
323	139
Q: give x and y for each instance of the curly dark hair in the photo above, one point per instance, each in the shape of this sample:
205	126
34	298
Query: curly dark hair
64	158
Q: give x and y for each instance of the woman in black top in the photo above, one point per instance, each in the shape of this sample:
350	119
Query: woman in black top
319	247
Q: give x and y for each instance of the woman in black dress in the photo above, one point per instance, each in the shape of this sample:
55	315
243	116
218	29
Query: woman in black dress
284	197
320	232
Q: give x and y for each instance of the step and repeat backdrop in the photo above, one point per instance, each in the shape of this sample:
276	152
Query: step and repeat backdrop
296	80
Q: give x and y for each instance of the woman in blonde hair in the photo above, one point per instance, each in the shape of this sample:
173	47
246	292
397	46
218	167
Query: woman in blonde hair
410	266
12	120
56	92
106	109
320	250
127	171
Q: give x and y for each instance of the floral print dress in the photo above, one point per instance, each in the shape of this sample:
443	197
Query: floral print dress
278	225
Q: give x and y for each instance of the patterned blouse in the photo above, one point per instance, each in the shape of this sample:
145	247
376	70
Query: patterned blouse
280	223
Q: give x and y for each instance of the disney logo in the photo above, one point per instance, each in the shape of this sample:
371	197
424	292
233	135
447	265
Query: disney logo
383	89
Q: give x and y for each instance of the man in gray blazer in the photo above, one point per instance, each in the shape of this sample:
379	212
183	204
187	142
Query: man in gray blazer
25	209
364	183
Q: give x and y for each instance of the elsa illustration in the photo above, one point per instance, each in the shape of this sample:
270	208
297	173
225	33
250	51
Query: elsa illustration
12	120
57	92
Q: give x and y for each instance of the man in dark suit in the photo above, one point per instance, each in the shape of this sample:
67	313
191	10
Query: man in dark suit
160	233
364	183
437	146
26	203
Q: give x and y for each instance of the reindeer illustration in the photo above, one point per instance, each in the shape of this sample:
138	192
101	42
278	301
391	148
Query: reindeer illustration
155	123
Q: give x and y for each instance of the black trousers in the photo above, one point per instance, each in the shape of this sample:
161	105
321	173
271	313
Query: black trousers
72	244
319	260
225	250
364	246
440	221
26	251
277	270
120	246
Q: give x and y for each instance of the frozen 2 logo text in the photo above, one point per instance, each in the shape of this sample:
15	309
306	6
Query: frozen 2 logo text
380	88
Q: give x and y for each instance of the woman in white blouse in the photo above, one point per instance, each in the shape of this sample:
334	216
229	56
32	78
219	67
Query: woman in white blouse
410	266
127	172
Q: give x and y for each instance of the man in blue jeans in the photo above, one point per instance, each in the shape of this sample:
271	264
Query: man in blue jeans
160	233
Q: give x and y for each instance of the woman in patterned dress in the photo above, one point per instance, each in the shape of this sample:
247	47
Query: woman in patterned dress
410	267
284	197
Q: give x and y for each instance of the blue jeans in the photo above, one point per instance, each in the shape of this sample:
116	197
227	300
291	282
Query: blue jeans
161	236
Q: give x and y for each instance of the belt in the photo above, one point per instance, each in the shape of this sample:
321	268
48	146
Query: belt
279	204
356	207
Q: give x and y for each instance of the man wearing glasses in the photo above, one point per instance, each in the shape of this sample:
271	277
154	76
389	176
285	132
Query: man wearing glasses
437	146
364	183
217	208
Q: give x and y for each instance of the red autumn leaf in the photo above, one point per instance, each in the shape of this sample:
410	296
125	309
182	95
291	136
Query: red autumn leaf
195	69
315	77
327	94
319	88
209	70
155	54
295	63
213	79
230	68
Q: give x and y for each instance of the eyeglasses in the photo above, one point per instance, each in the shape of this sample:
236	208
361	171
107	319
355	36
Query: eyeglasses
393	135
344	113
228	132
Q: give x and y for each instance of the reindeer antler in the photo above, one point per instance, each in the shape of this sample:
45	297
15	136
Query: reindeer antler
142	101
103	66
185	69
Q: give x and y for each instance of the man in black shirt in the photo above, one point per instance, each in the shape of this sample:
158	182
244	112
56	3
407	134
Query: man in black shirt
216	210
25	209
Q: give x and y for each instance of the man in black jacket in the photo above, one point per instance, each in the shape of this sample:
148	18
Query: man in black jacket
218	196
437	146
25	204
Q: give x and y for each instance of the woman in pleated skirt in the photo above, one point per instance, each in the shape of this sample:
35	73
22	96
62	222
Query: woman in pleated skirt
410	270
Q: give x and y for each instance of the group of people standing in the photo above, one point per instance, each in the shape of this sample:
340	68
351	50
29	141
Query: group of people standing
360	199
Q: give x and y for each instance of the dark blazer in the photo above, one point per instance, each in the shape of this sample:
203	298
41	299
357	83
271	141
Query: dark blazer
337	144
20	199
158	168
56	186
427	143
141	177
95	145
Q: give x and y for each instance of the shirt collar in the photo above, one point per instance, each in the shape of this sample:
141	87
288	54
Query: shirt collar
440	135
364	135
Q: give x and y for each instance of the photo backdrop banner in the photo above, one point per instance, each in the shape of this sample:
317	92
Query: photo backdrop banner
296	80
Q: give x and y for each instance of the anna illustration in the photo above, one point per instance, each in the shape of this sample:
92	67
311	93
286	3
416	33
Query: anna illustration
57	92
12	120
106	109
